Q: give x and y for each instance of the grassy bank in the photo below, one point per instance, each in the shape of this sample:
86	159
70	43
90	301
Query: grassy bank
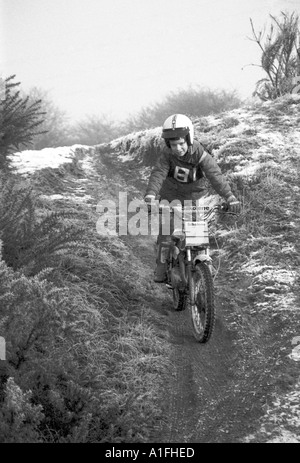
86	359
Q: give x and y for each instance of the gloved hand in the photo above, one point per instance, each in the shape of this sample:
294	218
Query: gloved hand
149	198
234	204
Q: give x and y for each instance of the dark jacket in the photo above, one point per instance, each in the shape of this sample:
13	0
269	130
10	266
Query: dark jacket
185	178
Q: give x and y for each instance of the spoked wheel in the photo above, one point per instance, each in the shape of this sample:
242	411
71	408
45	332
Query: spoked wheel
203	309
179	299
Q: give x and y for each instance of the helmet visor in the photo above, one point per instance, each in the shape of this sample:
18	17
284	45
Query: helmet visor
181	132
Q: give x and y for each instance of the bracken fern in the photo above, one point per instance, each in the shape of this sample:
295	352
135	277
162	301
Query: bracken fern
31	242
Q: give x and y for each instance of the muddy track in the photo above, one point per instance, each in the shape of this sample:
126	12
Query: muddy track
218	390
199	400
202	374
207	398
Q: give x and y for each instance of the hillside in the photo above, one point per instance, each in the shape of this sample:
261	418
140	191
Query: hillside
259	150
243	386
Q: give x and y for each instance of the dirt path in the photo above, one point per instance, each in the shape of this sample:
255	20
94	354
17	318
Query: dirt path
202	375
202	398
218	391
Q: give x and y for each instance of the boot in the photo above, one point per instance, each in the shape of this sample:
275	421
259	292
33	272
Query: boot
160	273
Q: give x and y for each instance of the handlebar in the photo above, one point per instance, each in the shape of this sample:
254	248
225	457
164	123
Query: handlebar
223	207
199	212
207	210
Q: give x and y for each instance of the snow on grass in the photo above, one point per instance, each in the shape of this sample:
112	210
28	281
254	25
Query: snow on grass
267	273
295	354
127	157
281	423
29	161
248	170
68	197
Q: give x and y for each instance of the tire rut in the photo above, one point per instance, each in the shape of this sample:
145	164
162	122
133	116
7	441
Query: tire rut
202	372
200	394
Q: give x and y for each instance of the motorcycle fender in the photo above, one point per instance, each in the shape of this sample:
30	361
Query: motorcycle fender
202	258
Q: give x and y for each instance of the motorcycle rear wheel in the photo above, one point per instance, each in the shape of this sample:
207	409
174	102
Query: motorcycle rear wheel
203	311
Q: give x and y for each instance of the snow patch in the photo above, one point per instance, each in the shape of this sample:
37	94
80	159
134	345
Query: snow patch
295	354
286	437
127	157
31	160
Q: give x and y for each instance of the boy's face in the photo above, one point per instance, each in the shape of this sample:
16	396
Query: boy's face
179	147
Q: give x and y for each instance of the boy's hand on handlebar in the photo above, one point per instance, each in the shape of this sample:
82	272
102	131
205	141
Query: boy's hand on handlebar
149	198
234	204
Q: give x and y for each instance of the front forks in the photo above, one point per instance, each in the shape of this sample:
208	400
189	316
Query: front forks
190	278
186	272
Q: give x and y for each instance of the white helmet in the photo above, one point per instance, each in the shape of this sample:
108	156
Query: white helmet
178	126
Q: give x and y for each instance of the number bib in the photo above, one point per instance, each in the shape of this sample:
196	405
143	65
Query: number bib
196	233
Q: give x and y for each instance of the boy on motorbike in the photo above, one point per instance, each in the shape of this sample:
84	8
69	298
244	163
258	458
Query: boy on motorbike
181	172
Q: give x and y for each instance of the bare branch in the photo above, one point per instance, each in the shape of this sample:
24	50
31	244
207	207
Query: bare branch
256	39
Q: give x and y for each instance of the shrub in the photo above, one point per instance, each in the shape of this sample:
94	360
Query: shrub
280	57
28	240
19	121
193	102
19	418
92	374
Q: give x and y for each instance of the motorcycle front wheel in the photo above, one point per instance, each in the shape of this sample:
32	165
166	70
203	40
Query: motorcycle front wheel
202	303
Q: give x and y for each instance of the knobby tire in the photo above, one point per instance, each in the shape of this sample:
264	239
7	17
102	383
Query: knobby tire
203	313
